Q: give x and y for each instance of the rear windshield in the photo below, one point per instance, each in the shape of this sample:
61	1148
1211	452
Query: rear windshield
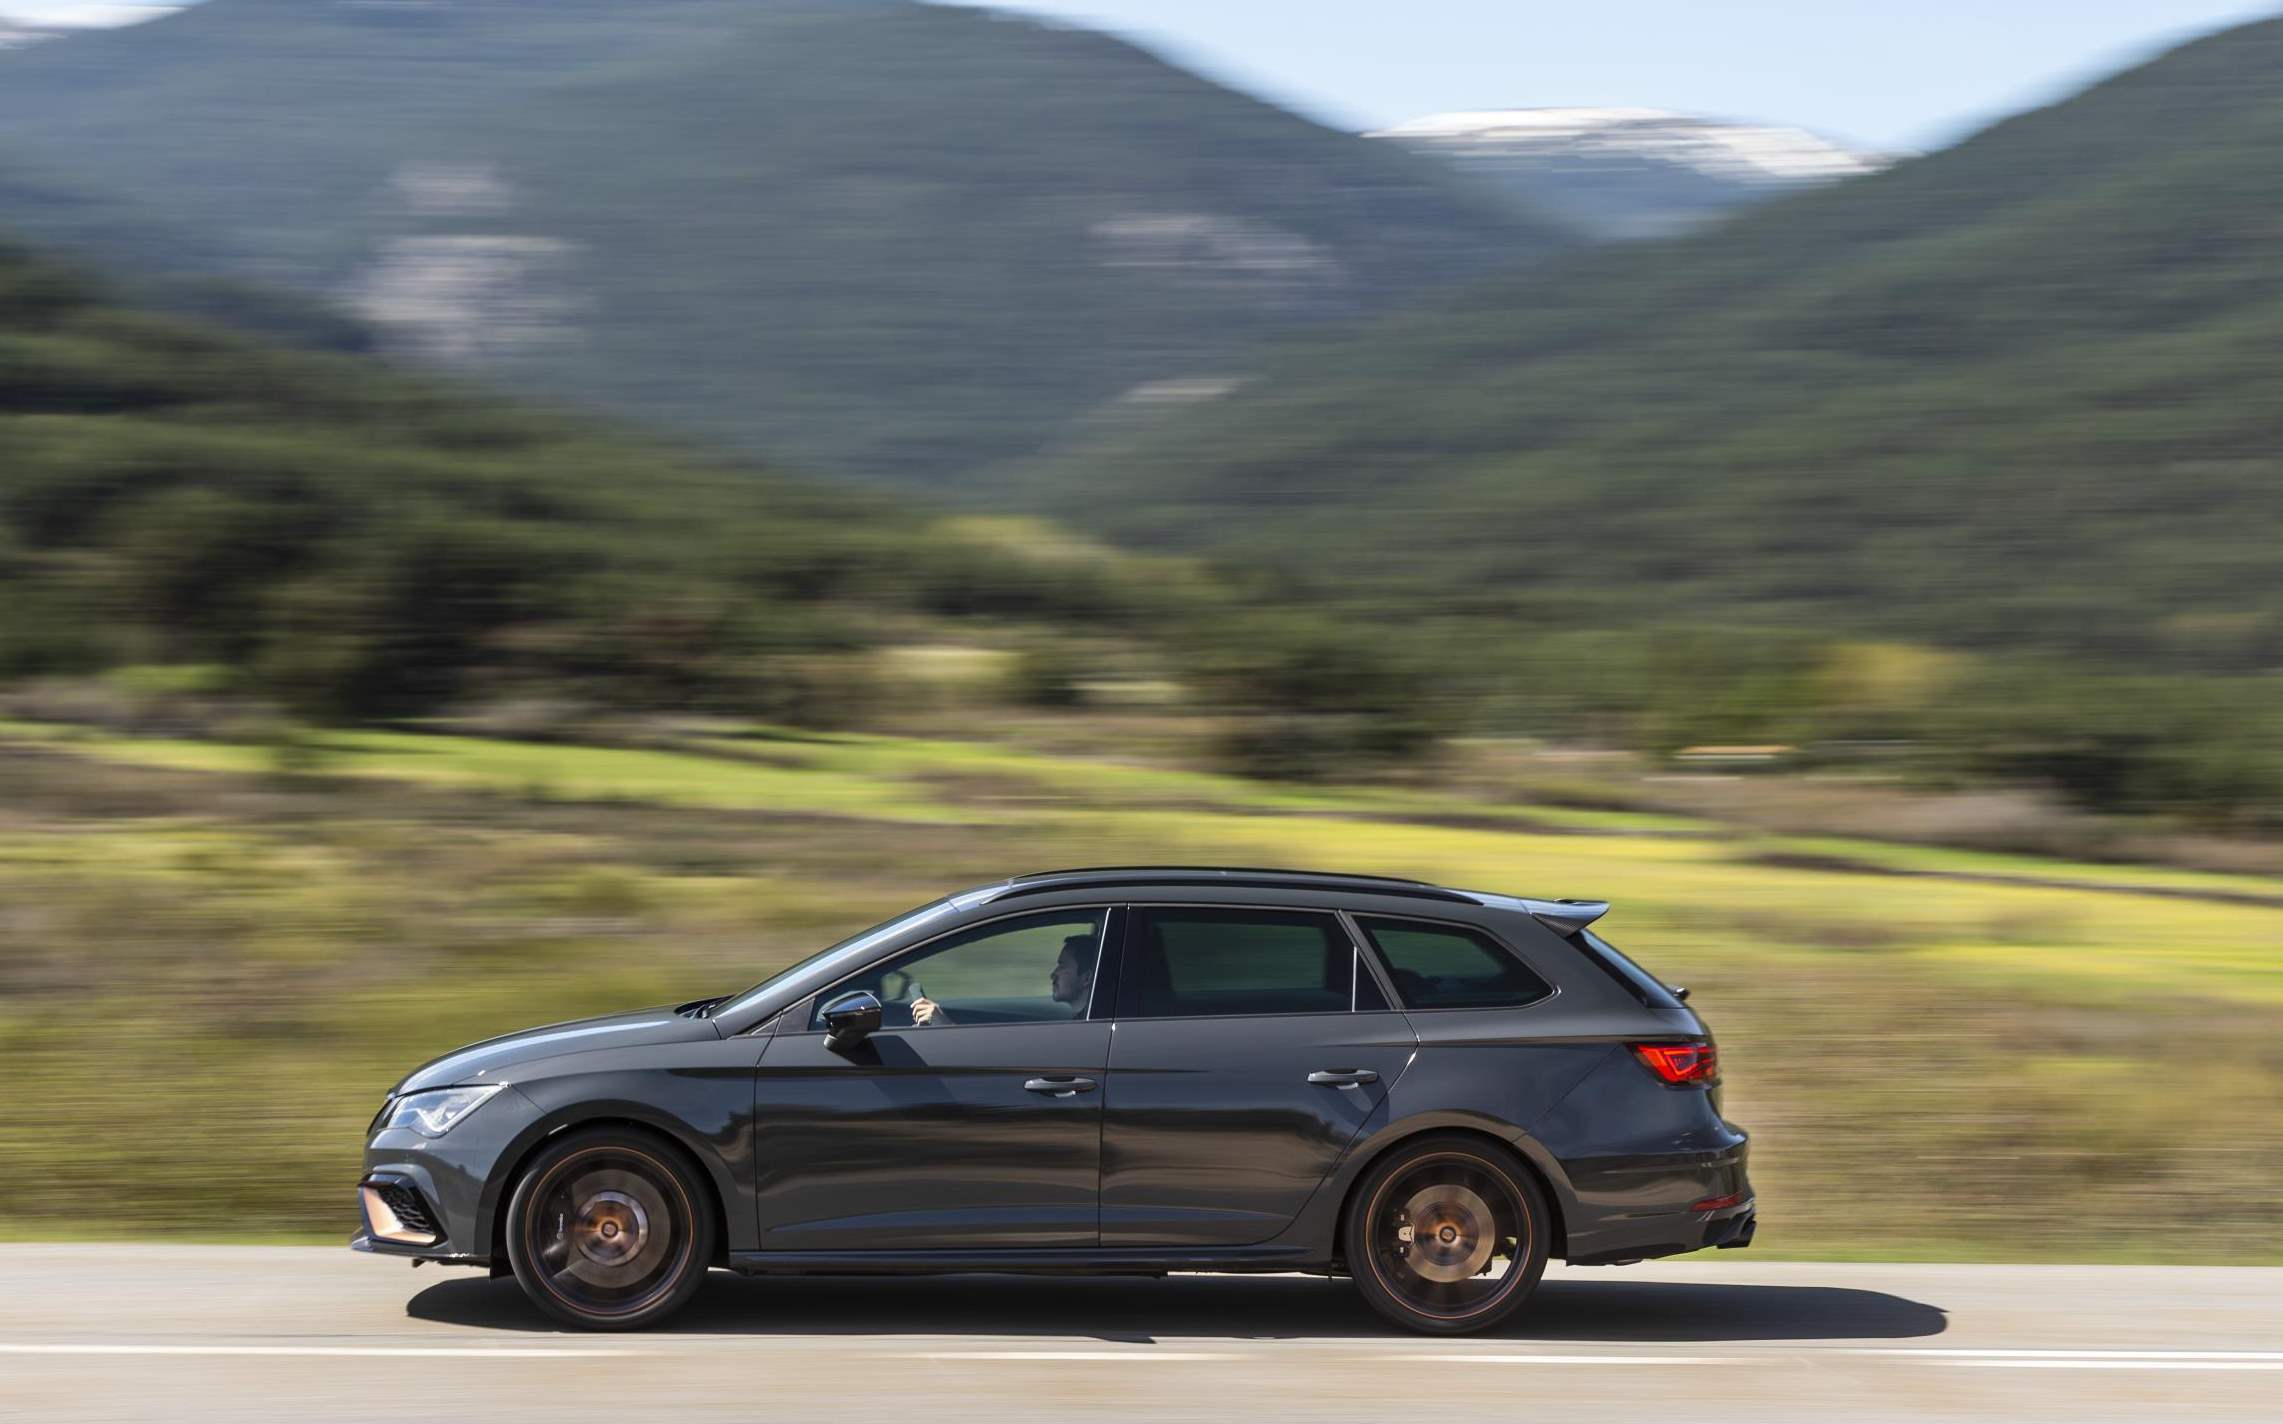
1638	982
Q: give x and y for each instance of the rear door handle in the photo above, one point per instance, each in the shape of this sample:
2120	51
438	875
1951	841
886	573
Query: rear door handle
1342	1077
1060	1087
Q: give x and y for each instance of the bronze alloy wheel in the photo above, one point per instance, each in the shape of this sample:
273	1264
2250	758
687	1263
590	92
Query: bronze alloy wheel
606	1231
1446	1237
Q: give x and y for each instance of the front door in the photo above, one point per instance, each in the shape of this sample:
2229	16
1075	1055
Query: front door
971	1120
1251	1046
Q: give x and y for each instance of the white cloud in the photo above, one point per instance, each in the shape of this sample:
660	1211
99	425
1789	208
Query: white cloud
83	13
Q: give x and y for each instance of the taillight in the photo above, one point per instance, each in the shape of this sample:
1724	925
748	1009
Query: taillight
1678	1063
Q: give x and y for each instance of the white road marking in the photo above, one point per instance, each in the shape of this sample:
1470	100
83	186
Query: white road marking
2248	1356
1143	1355
2116	1364
2027	1359
382	1352
1993	1358
1575	1359
1149	1356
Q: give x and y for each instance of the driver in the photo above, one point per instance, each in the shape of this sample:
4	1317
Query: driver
1072	984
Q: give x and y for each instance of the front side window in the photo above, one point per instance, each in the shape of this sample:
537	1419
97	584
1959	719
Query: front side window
1034	969
1437	966
1208	963
849	950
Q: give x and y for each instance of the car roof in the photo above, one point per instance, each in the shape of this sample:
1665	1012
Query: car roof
1181	873
1563	916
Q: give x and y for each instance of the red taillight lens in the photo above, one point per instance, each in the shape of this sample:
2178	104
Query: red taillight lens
1678	1063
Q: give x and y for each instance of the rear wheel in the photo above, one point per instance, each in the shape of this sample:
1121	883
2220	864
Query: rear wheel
1446	1236
608	1230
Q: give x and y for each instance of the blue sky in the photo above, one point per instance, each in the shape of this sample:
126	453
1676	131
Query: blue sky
1883	73
1890	74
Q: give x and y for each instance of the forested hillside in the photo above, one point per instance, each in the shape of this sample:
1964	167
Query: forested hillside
163	266
327	535
2024	395
872	235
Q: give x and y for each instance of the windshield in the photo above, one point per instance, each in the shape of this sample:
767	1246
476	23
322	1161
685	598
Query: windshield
850	949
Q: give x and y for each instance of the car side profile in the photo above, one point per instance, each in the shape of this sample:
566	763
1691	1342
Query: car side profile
1432	1091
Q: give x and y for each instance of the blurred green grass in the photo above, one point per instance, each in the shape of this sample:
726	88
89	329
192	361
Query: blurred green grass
213	962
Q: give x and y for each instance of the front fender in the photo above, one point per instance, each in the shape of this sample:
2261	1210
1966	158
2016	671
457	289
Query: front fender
698	1095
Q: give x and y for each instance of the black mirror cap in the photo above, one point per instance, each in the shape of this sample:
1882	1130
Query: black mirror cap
850	1019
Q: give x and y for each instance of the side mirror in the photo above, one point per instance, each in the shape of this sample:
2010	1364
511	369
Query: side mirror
850	1019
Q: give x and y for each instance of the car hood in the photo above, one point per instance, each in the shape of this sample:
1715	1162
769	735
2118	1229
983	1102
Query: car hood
495	1059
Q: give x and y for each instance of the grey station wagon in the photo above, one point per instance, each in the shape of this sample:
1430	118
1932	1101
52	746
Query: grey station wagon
1431	1091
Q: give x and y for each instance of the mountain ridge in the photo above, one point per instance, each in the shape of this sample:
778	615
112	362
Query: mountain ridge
2021	393
1628	172
896	239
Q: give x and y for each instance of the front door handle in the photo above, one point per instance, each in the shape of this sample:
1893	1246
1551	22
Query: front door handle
1342	1077
1060	1087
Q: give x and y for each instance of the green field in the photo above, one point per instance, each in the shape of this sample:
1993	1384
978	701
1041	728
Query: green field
206	944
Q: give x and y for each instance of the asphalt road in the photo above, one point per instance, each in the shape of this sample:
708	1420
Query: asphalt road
257	1333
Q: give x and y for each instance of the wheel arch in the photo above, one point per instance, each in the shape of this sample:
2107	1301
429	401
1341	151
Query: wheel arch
1530	1157
500	1188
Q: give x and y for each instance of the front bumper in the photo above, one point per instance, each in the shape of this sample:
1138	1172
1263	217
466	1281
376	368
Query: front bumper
427	1198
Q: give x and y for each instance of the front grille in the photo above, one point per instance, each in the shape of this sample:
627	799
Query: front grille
408	1206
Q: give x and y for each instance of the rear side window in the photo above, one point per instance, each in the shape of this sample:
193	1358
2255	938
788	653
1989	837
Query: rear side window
1450	967
1206	963
1638	982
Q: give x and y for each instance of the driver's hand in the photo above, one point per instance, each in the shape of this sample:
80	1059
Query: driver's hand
925	1010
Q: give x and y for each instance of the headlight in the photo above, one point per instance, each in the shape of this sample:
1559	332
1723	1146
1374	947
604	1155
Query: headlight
433	1114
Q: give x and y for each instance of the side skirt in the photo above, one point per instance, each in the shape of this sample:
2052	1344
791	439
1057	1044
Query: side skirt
1129	1260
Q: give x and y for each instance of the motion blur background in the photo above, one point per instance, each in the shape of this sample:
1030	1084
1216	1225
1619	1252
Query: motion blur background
516	508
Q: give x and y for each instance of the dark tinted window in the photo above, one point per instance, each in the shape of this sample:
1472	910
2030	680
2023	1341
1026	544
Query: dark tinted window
1186	963
1638	982
1450	967
1035	969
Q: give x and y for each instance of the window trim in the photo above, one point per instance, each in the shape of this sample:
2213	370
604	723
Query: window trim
1112	925
1362	933
1136	908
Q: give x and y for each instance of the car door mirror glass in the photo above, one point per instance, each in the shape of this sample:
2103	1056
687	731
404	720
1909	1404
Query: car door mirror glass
850	1019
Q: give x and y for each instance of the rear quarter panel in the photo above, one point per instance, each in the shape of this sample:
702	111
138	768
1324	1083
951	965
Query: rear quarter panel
1552	1079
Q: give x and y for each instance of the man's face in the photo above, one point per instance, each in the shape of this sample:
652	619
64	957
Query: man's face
1070	978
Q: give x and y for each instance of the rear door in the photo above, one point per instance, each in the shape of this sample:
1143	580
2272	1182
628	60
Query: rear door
1249	1048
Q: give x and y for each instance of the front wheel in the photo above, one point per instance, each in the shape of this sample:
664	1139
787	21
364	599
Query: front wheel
608	1230
1446	1236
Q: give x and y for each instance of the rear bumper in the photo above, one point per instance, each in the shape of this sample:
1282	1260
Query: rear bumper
1660	1204
1671	1236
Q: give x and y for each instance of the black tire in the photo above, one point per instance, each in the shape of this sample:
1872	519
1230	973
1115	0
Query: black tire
1447	1235
610	1229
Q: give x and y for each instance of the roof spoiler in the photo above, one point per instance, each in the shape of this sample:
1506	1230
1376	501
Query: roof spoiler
1566	917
